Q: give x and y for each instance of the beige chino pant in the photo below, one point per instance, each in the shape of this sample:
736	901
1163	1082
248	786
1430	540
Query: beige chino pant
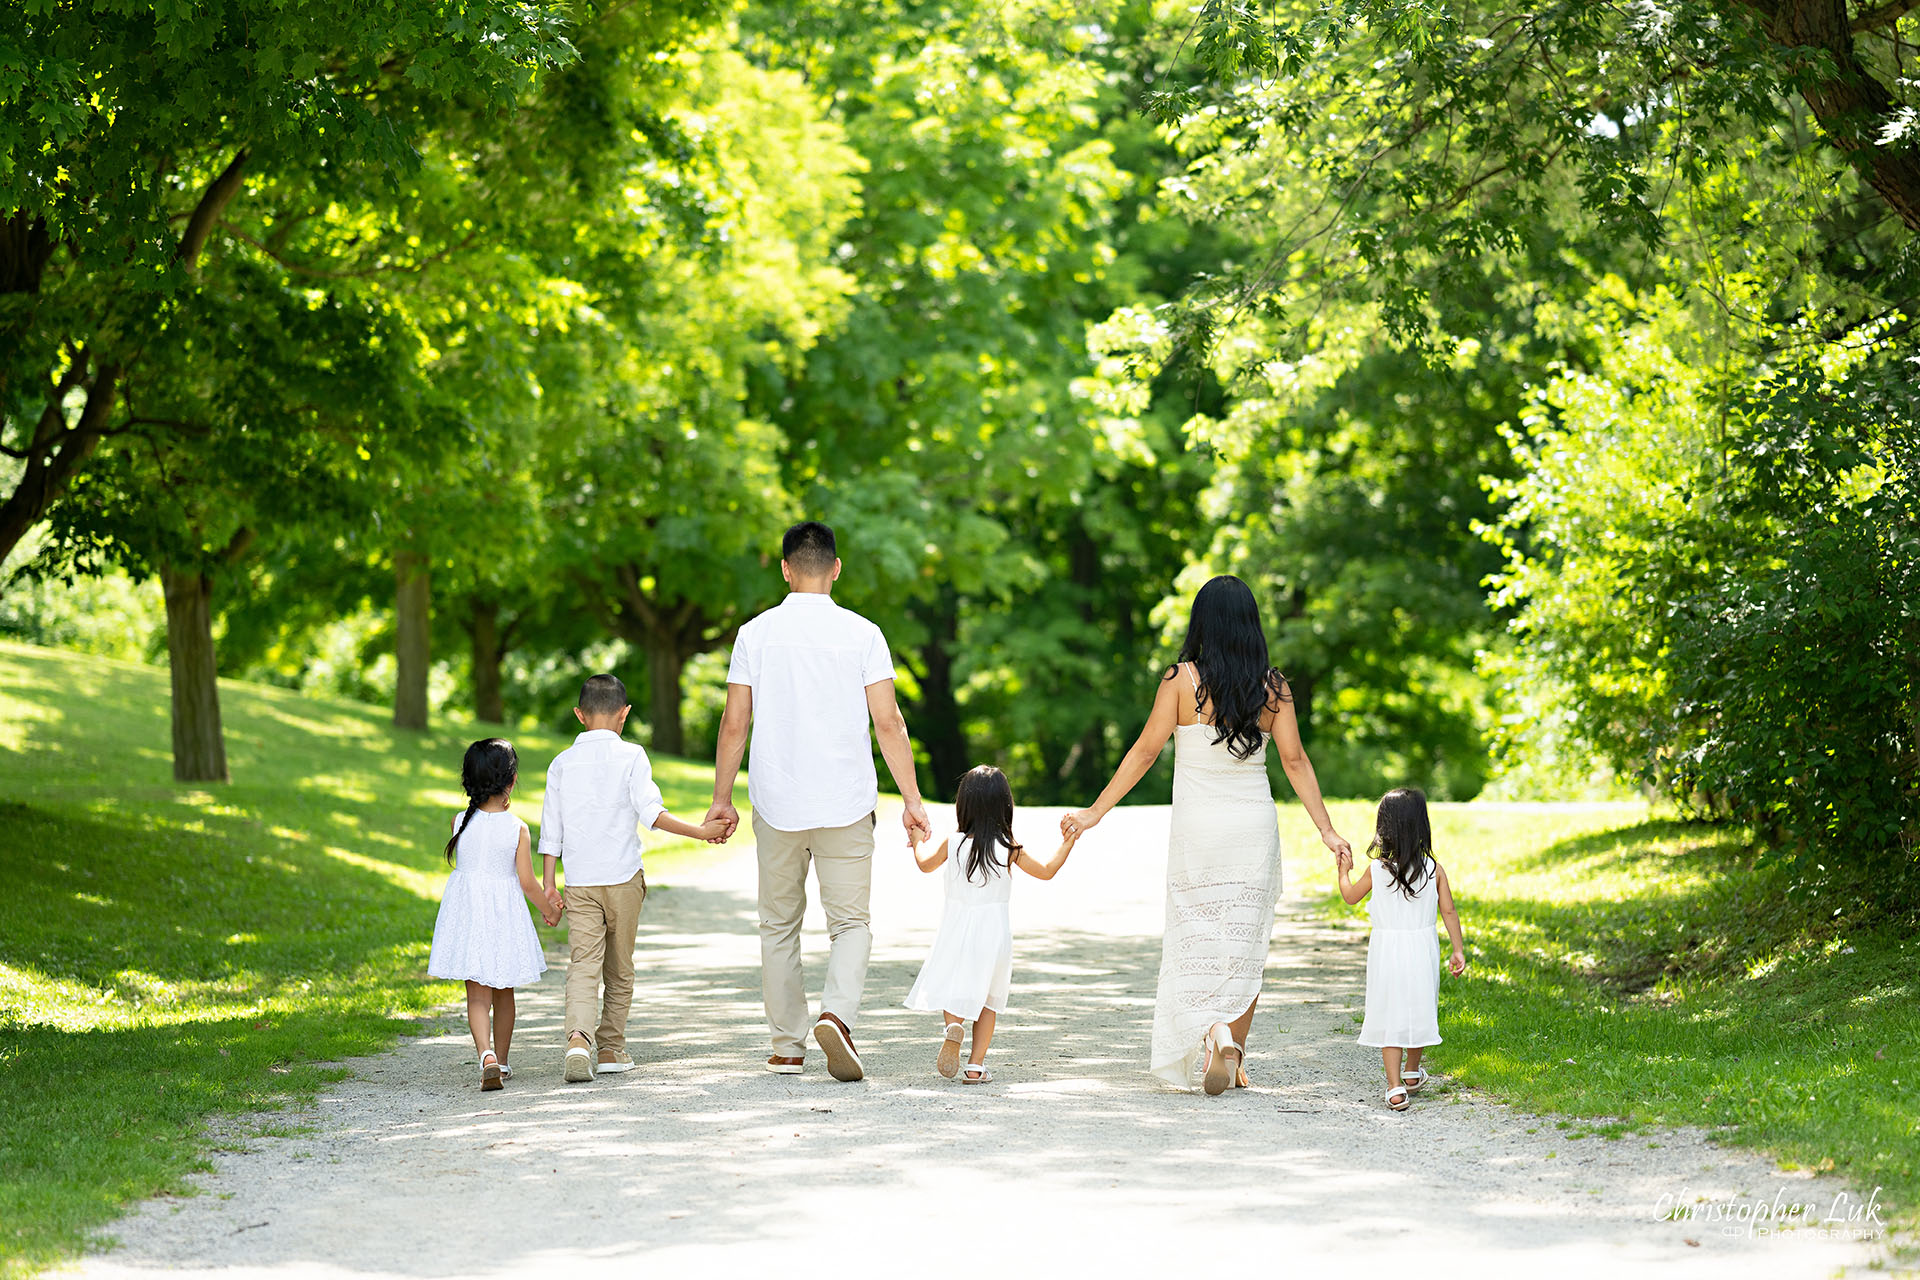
842	859
601	922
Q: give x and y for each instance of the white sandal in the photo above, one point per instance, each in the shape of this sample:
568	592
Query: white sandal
489	1071
1414	1079
976	1073
948	1063
1401	1105
1223	1060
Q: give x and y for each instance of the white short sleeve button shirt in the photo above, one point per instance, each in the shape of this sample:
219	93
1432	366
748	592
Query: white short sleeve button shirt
809	662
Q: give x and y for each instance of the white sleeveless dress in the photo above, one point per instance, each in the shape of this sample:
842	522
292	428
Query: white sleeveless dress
971	964
484	933
1223	878
1403	964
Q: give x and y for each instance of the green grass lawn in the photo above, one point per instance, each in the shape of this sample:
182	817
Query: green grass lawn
172	953
1628	971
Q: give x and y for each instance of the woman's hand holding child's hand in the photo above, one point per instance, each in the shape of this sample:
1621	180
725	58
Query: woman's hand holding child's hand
1344	860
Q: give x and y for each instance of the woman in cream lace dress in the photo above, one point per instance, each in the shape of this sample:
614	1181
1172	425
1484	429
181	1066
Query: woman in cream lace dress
1222	704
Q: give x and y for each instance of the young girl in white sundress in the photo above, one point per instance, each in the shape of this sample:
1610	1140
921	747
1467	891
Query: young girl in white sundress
1403	959
966	976
483	936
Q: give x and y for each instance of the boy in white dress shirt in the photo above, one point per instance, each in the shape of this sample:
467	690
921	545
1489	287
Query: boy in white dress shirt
600	794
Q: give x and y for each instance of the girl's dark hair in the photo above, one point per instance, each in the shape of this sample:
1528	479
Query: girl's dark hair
1403	837
983	810
487	771
1229	650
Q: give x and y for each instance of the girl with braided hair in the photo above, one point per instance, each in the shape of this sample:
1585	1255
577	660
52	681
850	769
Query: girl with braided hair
483	936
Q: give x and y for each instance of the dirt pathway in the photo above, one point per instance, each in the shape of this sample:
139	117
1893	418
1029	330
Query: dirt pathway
1074	1158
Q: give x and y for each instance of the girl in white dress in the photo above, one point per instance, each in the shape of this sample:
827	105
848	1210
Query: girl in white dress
1222	703
483	936
966	976
1403	959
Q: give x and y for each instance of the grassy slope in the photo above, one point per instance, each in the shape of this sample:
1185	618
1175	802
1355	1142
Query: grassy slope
170	953
1686	983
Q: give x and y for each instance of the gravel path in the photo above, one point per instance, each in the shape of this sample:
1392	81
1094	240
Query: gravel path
1074	1157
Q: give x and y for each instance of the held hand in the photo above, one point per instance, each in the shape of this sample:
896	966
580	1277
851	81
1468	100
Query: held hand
914	818
1343	860
1457	962
1078	823
723	813
1336	842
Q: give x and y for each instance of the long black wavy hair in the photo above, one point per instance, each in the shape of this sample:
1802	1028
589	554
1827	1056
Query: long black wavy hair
1238	680
1403	837
489	768
983	810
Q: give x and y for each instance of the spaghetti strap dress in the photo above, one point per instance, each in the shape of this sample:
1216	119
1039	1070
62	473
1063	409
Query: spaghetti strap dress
1223	878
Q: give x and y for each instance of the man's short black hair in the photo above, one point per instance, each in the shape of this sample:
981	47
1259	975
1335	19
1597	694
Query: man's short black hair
808	549
602	695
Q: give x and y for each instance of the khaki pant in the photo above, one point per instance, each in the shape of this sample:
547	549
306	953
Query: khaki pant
842	859
601	922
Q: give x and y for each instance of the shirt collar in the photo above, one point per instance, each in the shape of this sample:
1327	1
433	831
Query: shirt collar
594	735
807	598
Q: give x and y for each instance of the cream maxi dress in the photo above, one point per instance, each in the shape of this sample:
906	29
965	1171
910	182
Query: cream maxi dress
1223	877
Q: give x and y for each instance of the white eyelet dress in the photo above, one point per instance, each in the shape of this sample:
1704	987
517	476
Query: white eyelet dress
971	965
484	933
1403	964
1223	877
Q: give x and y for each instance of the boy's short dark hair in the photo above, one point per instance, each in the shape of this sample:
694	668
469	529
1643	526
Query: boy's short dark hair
809	548
602	695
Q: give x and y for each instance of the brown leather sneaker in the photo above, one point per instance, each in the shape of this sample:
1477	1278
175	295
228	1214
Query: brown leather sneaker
784	1066
843	1062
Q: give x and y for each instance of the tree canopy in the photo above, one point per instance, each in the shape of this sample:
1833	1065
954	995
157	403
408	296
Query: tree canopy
1549	374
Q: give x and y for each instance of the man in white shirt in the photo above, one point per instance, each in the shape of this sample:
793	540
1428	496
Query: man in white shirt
808	676
600	794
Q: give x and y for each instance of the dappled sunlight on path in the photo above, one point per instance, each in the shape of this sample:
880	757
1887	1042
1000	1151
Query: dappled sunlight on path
1074	1156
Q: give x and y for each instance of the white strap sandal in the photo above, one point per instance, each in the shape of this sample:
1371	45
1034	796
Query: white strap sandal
1414	1079
948	1063
506	1072
490	1076
1398	1091
976	1073
1223	1060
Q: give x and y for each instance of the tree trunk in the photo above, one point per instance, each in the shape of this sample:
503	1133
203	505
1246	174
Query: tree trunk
488	652
936	721
664	662
1302	690
1851	105
413	616
56	451
199	746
